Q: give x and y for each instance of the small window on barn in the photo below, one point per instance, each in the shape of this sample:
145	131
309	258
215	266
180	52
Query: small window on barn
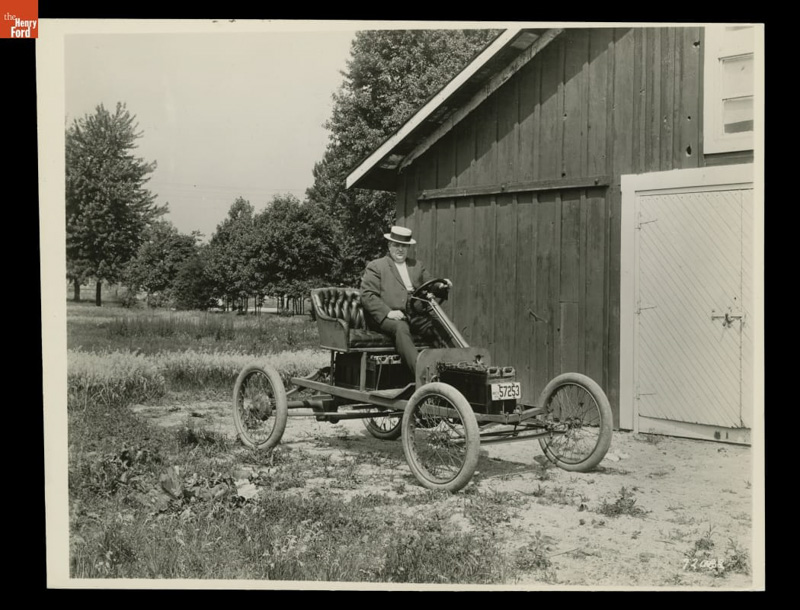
729	88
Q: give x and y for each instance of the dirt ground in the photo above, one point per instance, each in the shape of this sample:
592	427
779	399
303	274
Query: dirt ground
695	498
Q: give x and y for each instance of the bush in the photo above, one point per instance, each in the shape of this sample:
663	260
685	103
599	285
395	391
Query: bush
129	299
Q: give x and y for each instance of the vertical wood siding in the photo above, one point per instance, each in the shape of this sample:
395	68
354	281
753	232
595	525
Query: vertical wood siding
536	274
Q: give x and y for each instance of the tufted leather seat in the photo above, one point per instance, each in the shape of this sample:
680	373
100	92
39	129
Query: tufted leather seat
341	322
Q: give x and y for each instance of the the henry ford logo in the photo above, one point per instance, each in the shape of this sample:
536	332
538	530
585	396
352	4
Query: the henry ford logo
21	28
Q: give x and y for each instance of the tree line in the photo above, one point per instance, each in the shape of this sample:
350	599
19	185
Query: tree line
116	233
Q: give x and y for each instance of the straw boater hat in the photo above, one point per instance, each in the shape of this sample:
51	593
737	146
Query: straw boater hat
400	235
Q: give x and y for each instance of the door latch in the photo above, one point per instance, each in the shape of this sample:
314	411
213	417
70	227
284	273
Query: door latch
727	319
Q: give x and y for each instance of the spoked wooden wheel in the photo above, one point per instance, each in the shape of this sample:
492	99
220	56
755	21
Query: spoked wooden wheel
579	419
385	427
440	437
260	407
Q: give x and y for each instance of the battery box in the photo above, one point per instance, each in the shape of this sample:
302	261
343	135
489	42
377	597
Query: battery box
475	381
383	372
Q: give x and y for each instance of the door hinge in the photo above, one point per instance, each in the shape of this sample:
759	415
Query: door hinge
642	308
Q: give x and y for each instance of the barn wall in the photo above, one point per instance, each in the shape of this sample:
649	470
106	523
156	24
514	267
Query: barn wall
536	272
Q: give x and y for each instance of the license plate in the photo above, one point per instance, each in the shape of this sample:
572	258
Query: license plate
507	390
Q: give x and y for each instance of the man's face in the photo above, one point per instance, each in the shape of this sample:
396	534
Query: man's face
398	252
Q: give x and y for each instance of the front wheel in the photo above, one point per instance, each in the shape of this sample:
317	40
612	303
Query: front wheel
578	417
440	437
260	407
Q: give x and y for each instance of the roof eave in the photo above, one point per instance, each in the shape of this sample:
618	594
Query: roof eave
358	178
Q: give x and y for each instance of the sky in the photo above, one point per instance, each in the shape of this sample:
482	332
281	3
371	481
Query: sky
223	114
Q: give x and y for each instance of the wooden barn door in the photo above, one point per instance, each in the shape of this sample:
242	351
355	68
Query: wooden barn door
692	311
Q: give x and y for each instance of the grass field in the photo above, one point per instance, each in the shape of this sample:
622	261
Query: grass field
330	503
122	523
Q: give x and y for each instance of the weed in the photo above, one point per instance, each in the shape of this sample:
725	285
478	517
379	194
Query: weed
197	436
674	580
674	534
555	495
533	556
624	504
427	496
432	551
370	500
543	471
107	556
489	509
560	495
705	542
700	557
346	474
652	439
286	476
737	559
683	520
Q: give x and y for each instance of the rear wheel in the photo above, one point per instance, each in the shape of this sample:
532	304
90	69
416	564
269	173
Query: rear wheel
384	427
260	407
579	419
440	437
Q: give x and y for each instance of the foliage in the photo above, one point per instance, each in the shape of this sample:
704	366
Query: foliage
390	75
159	260
191	288
432	550
534	556
229	258
701	557
284	250
108	207
293	247
623	504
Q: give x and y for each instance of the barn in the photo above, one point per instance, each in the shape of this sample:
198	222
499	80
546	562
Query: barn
592	193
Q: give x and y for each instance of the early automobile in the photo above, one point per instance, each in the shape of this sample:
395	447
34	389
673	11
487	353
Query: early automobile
456	400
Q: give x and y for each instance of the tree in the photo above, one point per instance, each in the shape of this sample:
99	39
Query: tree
230	255
293	247
191	288
162	253
390	74
107	204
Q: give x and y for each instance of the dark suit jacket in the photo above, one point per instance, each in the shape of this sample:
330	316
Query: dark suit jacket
382	288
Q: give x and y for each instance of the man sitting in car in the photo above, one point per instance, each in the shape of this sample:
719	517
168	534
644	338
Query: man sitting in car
386	287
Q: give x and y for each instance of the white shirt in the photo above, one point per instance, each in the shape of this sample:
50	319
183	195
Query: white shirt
403	269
